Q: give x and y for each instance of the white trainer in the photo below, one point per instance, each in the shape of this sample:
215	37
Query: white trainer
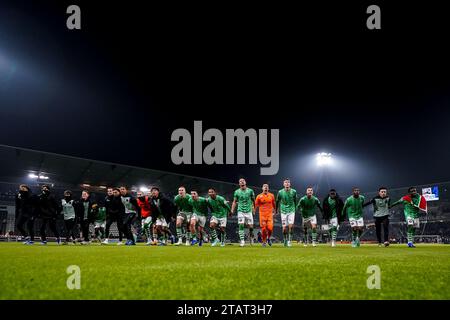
242	243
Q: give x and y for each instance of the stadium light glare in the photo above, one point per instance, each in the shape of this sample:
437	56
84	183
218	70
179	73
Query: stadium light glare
144	189
324	159
33	176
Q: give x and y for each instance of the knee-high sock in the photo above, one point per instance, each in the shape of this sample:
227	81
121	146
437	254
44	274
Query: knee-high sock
333	233
291	231
188	235
314	235
224	236
411	232
264	233
354	234
241	232
305	234
179	233
250	233
213	234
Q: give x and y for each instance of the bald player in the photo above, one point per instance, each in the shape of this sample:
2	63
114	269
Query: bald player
265	201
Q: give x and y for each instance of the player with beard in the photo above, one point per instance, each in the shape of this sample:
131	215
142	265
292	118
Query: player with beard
130	214
25	213
353	208
332	213
111	216
163	211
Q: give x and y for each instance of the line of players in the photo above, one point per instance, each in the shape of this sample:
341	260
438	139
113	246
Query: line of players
190	212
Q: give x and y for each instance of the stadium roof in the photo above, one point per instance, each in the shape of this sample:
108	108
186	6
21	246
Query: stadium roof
66	171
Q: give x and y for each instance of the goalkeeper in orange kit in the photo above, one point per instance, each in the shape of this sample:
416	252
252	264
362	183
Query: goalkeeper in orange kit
265	201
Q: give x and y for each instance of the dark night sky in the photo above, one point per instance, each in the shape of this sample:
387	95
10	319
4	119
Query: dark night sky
114	91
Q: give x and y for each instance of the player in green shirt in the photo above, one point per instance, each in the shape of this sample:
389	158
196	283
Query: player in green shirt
353	208
308	205
219	209
184	212
198	219
100	222
245	199
412	204
332	213
286	204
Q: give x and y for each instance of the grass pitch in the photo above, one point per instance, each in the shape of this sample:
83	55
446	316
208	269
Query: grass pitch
142	272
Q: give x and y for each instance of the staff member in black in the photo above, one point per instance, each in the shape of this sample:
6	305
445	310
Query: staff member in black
47	210
25	213
111	216
381	204
115	210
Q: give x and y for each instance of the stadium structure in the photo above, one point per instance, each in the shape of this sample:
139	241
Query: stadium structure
61	172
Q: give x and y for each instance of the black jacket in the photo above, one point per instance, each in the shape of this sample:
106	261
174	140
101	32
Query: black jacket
25	202
166	207
327	211
114	206
46	206
80	209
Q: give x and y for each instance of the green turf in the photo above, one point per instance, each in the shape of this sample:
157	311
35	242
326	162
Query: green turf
140	272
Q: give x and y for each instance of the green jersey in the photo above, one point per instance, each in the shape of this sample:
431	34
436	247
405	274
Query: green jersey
183	203
308	206
411	210
218	206
287	200
101	215
199	206
332	206
245	199
353	207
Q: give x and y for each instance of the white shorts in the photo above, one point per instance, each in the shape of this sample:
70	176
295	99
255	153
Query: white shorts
99	224
356	222
415	222
161	222
333	222
145	221
287	218
311	220
201	220
246	218
221	222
